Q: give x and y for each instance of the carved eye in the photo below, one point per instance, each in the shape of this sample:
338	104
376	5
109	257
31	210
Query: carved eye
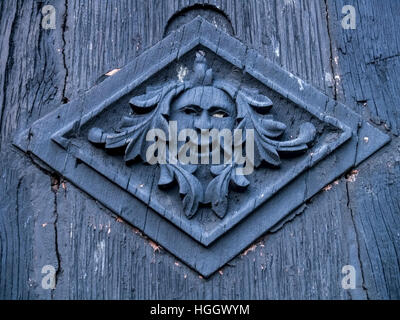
190	110
220	114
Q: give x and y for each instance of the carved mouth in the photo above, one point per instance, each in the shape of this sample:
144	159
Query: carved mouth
204	149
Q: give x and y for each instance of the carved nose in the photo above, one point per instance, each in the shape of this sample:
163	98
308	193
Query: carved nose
202	122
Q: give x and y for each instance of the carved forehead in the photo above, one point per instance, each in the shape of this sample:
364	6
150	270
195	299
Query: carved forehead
205	97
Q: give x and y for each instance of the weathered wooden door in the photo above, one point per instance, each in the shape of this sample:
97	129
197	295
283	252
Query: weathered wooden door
50	226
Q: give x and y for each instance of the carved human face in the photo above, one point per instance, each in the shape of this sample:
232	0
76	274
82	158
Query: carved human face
204	108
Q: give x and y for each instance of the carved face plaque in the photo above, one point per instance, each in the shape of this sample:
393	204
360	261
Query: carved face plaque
204	214
201	103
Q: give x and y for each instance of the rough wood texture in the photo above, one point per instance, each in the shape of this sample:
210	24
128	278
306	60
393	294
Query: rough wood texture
45	220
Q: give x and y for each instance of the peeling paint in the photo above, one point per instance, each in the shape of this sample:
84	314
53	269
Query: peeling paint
112	72
100	256
300	84
182	72
351	177
277	52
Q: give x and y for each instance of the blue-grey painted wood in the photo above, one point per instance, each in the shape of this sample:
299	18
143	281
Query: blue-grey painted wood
45	220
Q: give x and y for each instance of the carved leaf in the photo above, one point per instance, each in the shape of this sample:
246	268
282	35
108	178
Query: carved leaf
240	180
133	130
218	189
256	100
306	135
190	187
267	130
151	110
146	102
166	176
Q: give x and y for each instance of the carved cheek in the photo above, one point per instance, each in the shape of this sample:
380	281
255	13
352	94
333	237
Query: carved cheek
184	121
223	123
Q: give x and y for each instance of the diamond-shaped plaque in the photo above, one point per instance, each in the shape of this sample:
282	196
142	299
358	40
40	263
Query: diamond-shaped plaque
205	217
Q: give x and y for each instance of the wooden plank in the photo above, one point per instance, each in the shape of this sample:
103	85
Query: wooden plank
32	80
366	60
366	66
